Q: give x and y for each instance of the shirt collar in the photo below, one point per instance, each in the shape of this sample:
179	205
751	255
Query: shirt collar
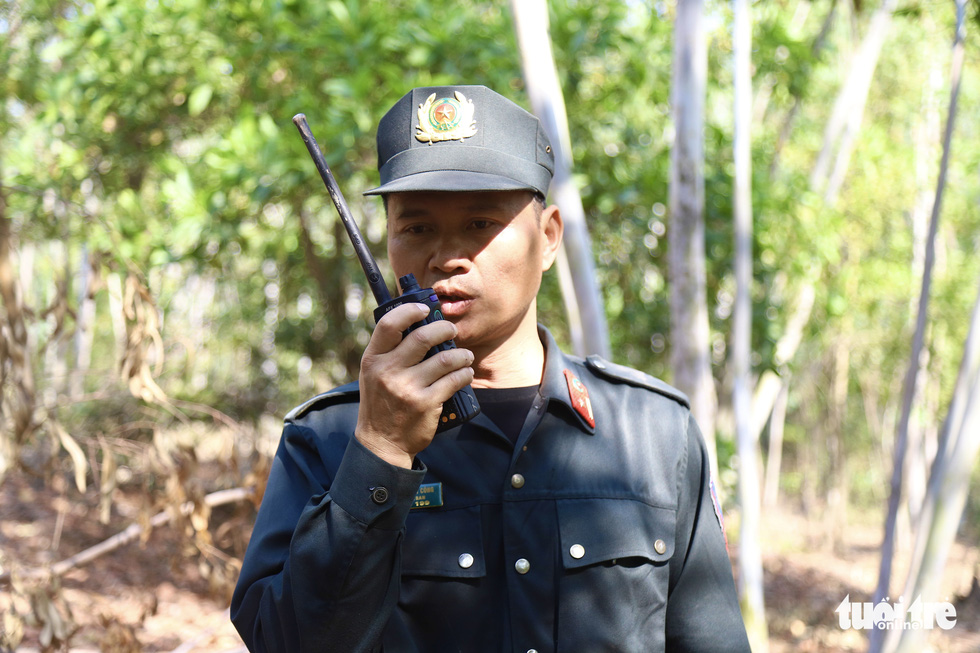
554	383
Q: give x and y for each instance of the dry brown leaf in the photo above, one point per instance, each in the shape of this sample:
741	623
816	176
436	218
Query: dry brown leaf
79	462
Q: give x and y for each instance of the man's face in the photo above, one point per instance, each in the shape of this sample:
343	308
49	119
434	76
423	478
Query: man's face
483	253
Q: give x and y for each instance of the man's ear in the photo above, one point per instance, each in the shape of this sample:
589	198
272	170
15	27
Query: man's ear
552	228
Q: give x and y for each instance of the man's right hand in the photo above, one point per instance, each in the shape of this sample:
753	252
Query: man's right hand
402	392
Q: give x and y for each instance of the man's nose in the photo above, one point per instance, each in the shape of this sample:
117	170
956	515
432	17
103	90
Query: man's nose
450	256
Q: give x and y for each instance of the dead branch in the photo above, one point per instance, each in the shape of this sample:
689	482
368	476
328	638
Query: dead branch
132	532
216	414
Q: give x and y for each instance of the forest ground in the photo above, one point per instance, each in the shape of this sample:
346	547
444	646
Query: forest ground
152	596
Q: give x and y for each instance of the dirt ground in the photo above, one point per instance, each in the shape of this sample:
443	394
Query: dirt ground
806	579
155	596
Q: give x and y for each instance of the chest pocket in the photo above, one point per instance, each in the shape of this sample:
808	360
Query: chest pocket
605	530
442	601
613	590
446	543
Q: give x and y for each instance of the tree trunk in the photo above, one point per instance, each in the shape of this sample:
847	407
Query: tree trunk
914	473
85	324
811	456
17	393
200	323
770	383
884	574
777	425
56	349
585	310
845	119
926	137
689	333
787	126
948	486
750	552
837	482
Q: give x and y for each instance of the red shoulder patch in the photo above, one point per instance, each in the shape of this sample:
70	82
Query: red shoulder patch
579	396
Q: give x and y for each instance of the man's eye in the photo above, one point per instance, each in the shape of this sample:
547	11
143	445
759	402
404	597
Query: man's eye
481	224
416	229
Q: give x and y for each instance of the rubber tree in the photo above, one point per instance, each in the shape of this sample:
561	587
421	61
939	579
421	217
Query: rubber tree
689	332
750	553
935	525
576	270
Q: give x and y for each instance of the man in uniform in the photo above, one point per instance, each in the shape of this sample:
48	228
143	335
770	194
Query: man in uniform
573	514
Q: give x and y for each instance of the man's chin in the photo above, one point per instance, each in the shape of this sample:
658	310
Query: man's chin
466	337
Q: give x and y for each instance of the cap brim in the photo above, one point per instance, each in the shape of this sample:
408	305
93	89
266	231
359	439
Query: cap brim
449	180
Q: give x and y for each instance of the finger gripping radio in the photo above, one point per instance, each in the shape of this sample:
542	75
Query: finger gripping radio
462	406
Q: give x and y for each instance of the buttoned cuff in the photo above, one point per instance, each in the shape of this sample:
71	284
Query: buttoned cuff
374	491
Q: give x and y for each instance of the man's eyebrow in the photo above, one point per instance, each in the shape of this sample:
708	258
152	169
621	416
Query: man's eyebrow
480	207
411	214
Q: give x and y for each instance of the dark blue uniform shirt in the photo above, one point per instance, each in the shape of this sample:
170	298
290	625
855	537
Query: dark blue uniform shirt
596	532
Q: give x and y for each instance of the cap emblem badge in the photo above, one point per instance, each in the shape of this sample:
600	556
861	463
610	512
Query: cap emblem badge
445	119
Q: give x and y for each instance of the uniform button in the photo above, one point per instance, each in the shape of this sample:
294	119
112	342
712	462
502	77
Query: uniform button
522	566
465	560
577	551
379	495
517	481
532	650
659	546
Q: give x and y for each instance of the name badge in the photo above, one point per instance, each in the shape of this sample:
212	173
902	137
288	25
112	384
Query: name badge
429	496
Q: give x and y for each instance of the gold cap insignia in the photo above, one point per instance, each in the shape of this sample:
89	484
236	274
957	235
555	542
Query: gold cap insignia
445	119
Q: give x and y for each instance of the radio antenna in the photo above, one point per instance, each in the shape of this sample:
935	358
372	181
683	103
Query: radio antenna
374	277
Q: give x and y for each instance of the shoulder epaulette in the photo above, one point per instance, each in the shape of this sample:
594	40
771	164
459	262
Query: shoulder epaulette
342	394
616	372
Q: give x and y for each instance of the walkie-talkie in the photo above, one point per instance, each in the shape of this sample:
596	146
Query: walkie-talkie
462	406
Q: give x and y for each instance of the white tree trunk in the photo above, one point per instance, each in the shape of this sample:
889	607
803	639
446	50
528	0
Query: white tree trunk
690	343
845	119
587	318
777	423
750	551
835	516
887	547
927	136
85	323
948	485
770	383
56	349
818	43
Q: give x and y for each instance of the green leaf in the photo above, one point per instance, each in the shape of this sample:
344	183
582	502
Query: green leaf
199	99
268	126
340	12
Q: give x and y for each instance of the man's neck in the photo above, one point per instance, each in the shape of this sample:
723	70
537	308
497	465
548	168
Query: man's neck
516	363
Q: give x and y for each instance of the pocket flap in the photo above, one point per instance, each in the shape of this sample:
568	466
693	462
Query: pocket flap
444	543
601	530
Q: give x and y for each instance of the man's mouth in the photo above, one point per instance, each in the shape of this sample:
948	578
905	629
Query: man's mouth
454	304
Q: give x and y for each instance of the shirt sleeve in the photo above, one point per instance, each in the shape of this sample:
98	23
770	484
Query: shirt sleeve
322	568
703	612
